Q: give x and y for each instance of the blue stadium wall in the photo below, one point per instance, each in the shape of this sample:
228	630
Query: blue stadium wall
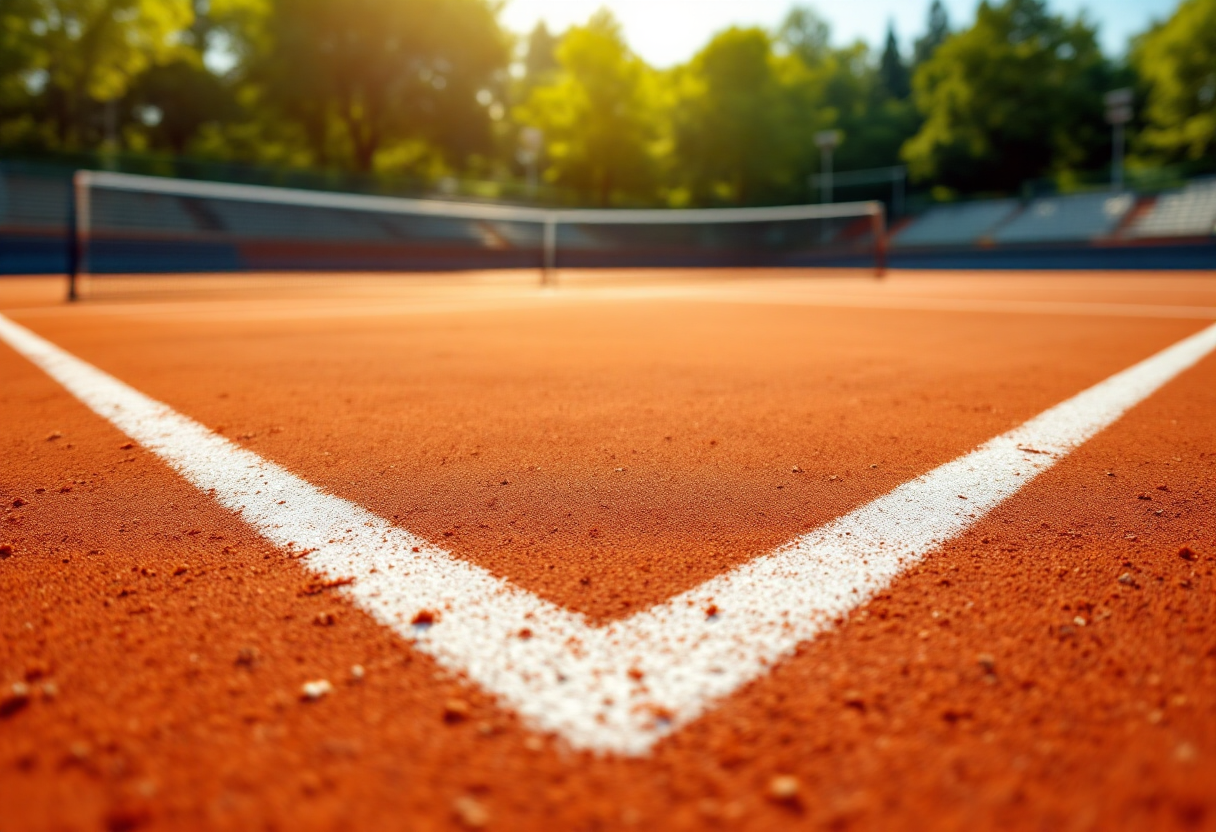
1200	254
47	254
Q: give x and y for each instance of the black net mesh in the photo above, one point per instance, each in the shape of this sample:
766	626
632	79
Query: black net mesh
136	226
133	232
838	241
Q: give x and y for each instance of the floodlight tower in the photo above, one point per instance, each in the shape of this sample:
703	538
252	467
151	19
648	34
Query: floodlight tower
1118	114
827	141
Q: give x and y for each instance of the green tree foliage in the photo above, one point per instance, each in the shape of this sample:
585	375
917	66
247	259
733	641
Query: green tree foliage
875	123
743	119
1016	96
175	100
892	69
21	77
846	89
805	34
598	114
1177	62
423	86
71	57
936	32
748	106
382	71
540	60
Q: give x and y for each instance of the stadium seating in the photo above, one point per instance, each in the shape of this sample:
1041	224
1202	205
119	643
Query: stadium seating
424	228
955	225
514	234
31	201
123	211
35	215
1190	212
1066	219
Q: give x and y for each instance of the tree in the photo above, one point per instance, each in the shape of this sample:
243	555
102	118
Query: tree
79	54
21	76
174	101
541	58
1177	62
805	34
598	115
937	31
1015	97
169	103
892	68
744	119
383	70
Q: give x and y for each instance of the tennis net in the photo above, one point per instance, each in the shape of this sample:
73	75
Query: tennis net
129	225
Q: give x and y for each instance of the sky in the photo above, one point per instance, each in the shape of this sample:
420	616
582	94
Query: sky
668	32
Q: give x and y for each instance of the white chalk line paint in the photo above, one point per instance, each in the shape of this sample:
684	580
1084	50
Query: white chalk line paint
499	299
617	688
1006	306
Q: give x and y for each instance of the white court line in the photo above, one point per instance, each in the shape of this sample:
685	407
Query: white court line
1005	306
619	687
292	309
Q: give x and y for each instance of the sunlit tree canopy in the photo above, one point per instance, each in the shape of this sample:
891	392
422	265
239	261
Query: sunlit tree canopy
436	89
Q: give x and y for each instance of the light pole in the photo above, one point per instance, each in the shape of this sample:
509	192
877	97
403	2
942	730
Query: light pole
827	141
1118	114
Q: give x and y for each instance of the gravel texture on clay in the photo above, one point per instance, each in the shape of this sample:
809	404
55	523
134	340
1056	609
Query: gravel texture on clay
1053	668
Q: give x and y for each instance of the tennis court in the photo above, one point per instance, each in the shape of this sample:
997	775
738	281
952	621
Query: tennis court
532	415
500	559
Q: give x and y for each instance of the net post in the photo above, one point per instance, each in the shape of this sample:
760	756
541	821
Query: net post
548	273
879	223
78	241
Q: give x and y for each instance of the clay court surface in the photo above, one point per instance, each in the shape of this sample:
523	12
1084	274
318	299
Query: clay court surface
605	447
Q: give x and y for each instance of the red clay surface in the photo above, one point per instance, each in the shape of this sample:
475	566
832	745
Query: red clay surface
607	448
